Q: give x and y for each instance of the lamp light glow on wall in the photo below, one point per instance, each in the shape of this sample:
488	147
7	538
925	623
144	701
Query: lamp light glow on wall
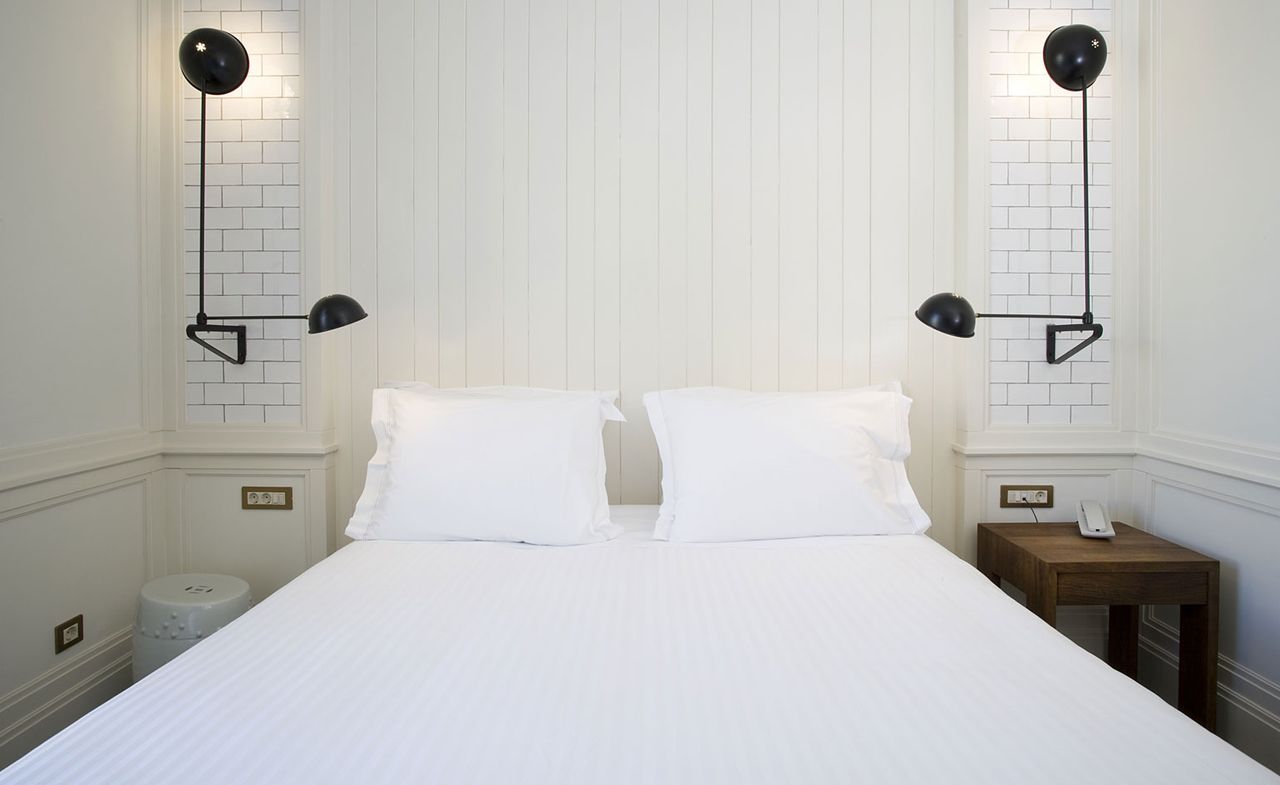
216	63
1073	56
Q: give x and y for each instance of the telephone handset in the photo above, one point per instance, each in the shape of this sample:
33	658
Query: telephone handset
1093	520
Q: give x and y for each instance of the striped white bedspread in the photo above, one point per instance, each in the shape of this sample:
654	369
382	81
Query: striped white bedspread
838	660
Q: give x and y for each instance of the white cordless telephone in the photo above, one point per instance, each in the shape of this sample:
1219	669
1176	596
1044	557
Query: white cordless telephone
1093	520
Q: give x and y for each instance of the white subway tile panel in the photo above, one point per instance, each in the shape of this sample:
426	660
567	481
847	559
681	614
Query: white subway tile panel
252	219
1036	230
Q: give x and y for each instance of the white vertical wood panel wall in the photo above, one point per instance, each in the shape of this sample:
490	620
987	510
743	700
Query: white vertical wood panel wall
640	194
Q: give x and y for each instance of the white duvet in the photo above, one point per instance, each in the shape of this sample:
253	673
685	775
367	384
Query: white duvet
836	660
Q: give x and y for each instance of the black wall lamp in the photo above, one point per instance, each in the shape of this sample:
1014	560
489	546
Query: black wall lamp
1074	56
215	63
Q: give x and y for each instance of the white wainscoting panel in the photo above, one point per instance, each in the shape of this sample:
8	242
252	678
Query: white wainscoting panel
49	553
1238	533
267	548
1070	486
83	542
639	195
1238	523
85	528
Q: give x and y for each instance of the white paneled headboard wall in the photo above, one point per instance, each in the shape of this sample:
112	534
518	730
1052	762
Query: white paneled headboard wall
632	194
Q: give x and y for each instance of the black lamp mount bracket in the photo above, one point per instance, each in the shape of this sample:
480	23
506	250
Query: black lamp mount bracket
1086	325
1051	340
238	331
228	331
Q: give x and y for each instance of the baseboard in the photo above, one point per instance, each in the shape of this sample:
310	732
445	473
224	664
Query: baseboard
37	710
1248	703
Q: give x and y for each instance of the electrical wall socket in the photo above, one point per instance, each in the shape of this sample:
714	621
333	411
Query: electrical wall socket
68	633
255	498
1026	495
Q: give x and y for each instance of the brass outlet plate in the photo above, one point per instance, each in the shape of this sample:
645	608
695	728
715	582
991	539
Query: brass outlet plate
1047	490
266	498
68	633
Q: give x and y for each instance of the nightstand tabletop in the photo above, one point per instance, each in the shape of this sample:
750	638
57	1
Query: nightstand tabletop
1062	546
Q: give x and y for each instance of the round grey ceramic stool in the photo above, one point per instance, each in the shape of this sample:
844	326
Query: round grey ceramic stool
178	611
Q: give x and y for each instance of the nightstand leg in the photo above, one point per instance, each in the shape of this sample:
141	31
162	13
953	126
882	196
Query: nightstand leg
1043	600
1122	639
1198	660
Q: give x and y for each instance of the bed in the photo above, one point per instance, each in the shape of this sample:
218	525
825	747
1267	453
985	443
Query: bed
874	659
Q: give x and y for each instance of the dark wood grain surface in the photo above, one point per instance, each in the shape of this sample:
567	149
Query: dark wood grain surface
1054	565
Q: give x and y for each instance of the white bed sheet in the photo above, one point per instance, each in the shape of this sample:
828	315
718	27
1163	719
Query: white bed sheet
860	659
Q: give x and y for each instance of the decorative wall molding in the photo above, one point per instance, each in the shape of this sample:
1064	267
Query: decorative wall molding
1126	450
1073	441
1235	462
224	441
23	466
1242	687
35	474
1248	703
24	709
102	485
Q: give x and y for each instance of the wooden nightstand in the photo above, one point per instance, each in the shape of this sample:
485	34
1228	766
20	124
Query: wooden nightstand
1055	566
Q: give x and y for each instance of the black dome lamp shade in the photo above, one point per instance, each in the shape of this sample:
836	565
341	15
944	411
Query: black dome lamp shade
215	62
948	313
1074	56
332	312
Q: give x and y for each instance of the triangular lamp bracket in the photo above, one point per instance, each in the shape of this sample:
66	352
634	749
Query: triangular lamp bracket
224	331
1051	343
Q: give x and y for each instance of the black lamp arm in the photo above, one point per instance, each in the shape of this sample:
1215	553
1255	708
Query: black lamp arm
1084	148
275	316
203	98
1027	316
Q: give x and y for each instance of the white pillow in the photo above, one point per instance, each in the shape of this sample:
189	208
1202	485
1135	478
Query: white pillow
740	465
512	465
666	510
608	398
